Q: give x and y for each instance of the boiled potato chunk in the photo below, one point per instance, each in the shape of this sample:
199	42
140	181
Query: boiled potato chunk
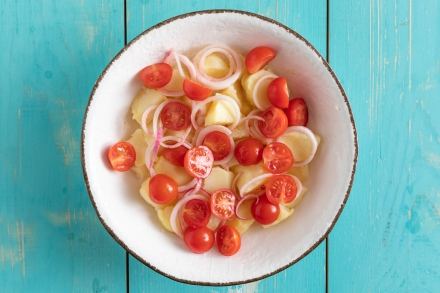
220	113
176	82
249	173
218	179
244	210
299	144
249	82
298	199
145	98
213	222
145	193
163	166
240	131
302	173
235	91
164	217
215	66
140	145
285	212
141	171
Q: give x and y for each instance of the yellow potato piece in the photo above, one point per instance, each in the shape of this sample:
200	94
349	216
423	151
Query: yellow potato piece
285	212
299	144
302	173
235	91
218	179
140	145
215	66
244	210
141	171
145	193
164	217
176	82
249	82
144	99
298	199
163	166
220	113
240	132
249	173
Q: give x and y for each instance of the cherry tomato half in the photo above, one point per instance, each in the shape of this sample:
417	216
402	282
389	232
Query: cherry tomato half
157	75
163	189
223	203
297	113
175	116
198	240
249	151
196	213
263	211
258	57
218	142
195	91
274	124
122	156
175	156
277	158
281	189
198	161
278	92
228	240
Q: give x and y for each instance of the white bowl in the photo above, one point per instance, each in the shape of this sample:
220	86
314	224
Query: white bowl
133	223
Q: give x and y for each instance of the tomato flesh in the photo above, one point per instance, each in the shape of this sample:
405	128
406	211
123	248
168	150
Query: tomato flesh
196	213
163	189
277	158
297	113
274	124
175	116
223	203
263	211
281	189
175	156
258	57
228	240
278	92
198	161
122	156
156	75
195	91
198	240
249	151
218	142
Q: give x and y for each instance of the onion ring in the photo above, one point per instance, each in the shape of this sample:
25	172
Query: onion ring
312	138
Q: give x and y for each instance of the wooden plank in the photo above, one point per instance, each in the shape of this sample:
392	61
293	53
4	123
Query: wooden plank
51	53
386	54
310	21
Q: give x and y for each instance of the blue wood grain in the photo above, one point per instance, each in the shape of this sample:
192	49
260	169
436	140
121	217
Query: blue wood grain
387	55
310	21
51	240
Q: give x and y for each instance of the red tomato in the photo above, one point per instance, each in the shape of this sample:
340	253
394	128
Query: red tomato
281	189
249	151
198	161
218	143
196	213
228	240
163	189
157	75
258	57
198	240
175	156
195	91
277	158
223	203
175	116
297	113
122	156
274	124
278	92
263	211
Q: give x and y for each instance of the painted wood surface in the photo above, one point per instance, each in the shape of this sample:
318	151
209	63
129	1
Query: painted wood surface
387	56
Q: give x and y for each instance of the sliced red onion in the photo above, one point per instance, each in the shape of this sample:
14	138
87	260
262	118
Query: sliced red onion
257	85
148	161
252	181
247	197
187	186
208	129
156	146
178	206
144	119
209	52
178	140
234	187
312	138
198	185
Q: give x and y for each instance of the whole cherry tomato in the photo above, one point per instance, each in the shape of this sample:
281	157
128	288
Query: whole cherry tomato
297	113
278	92
195	91
175	116
163	189
175	156
277	158
157	75
196	213
274	124
249	151
263	211
122	156
258	57
223	203
218	142
228	240
281	189
198	161
198	240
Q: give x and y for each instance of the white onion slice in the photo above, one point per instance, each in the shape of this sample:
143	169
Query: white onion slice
312	138
178	206
187	186
222	129
180	141
252	181
206	53
257	85
298	183
148	152
144	119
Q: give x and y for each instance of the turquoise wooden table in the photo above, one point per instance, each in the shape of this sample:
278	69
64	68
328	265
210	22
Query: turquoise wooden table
387	56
